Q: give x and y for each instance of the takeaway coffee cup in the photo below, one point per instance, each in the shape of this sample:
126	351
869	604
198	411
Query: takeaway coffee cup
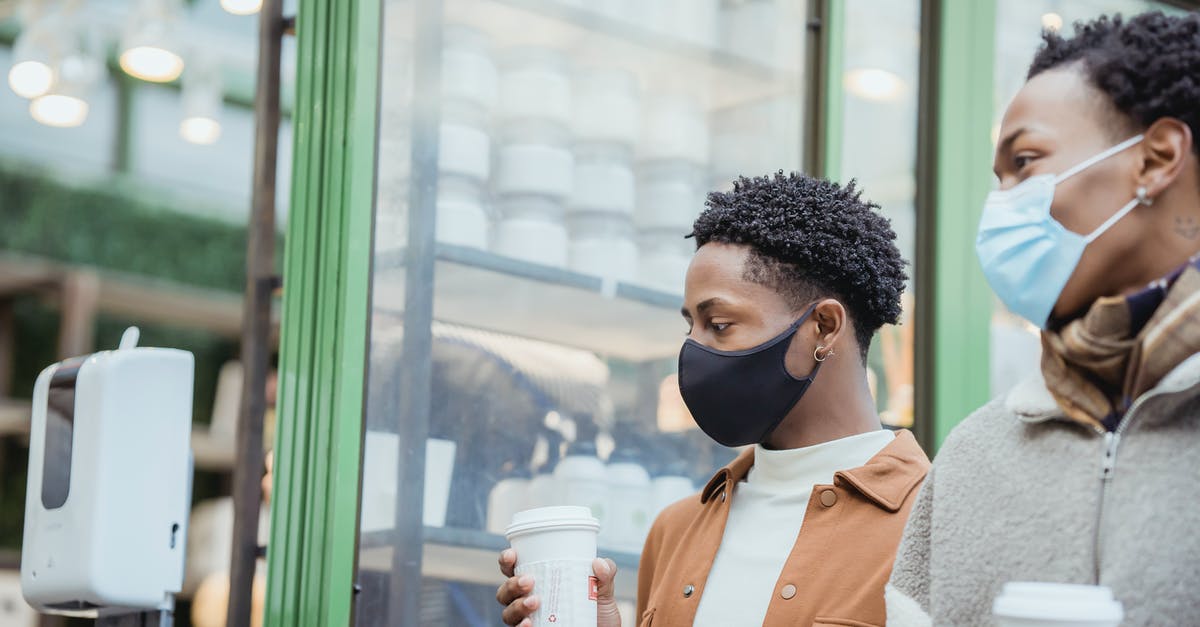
1031	604
556	546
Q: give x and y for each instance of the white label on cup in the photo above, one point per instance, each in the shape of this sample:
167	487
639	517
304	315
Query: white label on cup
567	590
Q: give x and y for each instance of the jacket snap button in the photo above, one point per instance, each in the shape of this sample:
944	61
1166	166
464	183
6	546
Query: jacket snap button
788	591
828	498
688	590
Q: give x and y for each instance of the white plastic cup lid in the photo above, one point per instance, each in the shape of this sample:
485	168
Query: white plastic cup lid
1059	602
548	518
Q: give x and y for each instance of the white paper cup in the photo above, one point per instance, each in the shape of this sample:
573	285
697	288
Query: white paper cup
1034	604
556	546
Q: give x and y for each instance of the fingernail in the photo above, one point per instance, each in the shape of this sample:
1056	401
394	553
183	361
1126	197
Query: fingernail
525	581
508	554
602	568
530	602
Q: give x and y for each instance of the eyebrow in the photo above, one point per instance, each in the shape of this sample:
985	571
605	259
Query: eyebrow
1005	145
704	306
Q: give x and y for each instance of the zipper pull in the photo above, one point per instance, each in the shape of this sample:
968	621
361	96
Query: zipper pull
1111	440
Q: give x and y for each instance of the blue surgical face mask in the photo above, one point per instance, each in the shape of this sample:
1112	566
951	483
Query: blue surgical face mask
1026	254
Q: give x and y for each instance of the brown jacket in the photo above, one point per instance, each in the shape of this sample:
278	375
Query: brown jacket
838	567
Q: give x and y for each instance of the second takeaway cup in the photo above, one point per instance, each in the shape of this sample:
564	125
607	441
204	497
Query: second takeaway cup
1033	604
556	546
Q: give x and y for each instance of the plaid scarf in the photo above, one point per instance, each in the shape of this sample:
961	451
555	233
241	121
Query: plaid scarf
1098	365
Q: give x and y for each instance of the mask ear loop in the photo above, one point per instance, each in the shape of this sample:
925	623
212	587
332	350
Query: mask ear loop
1087	163
1141	199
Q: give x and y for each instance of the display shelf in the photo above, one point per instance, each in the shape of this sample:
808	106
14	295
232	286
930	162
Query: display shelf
727	79
470	556
486	291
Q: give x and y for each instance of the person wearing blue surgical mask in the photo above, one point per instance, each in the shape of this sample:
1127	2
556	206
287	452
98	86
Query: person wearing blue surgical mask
1089	471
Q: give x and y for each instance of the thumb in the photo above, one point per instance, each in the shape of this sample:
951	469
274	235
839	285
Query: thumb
607	612
606	574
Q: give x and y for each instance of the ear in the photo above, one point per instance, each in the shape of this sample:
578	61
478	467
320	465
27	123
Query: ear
1165	151
832	325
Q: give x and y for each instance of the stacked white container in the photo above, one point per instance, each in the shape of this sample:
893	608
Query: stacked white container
672	174
535	168
464	154
509	496
582	479
671	486
630	499
600	220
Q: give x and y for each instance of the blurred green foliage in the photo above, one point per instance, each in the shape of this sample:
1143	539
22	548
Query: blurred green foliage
107	227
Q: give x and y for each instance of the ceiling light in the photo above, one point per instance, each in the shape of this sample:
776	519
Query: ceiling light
59	110
30	79
242	7
1052	21
202	131
874	84
202	96
147	47
35	52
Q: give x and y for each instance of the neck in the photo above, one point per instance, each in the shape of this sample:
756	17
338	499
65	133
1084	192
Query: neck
837	405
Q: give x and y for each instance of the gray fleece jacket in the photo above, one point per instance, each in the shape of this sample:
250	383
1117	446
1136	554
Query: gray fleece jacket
1020	493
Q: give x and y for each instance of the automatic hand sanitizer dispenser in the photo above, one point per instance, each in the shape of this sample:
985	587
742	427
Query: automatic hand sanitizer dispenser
109	488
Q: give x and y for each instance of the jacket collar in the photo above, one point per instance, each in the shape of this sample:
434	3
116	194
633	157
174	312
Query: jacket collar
1032	402
885	479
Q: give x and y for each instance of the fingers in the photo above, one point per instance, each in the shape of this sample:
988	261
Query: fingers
508	562
517	613
513	589
606	574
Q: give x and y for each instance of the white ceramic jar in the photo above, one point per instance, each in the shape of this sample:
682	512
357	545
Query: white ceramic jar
535	83
675	127
469	72
531	228
663	259
603	179
607	107
602	244
670	195
465	151
462	218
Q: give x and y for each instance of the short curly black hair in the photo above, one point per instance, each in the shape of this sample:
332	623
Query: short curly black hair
810	239
1148	66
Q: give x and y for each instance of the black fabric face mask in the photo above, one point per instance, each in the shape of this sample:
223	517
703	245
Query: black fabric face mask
740	397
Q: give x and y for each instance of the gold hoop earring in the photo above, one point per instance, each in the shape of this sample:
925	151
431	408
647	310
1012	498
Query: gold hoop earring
817	354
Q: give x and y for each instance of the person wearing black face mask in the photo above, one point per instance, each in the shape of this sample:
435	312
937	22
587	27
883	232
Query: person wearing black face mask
792	277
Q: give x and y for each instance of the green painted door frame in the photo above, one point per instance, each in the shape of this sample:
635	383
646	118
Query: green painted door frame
324	340
954	155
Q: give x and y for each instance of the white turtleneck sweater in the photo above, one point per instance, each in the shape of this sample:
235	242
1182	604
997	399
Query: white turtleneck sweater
766	512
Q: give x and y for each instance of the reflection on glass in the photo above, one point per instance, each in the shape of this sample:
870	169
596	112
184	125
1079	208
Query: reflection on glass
879	150
575	143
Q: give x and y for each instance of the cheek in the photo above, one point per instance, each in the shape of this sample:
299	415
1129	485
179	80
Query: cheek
1103	269
799	359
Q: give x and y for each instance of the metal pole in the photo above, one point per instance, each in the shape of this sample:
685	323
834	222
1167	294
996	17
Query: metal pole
415	384
926	205
817	72
256	318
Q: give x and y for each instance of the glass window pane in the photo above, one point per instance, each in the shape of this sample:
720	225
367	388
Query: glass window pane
879	131
574	145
